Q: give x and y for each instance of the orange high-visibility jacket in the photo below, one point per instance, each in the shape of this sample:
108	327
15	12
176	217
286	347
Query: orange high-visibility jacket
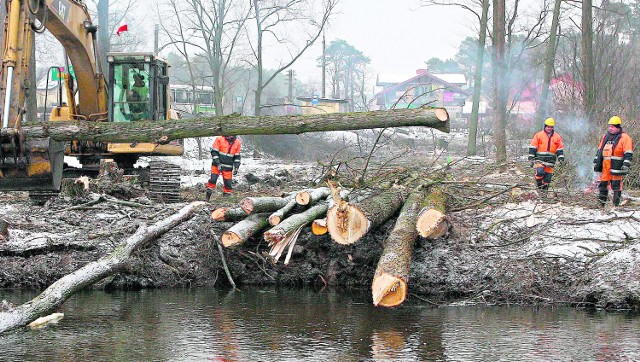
617	154
546	149
226	155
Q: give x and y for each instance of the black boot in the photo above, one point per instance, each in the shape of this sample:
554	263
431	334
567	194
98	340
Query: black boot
602	197
207	195
617	197
539	184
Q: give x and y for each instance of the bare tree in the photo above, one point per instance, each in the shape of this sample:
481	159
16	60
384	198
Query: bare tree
499	84
477	80
113	13
588	75
273	18
549	60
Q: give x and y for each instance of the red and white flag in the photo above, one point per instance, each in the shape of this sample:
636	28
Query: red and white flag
122	28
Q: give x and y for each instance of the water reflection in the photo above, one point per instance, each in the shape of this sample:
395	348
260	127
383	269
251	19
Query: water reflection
292	325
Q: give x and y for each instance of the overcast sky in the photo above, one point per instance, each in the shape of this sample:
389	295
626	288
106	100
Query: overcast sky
397	35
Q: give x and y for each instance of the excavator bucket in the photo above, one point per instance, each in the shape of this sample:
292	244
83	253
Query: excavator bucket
31	165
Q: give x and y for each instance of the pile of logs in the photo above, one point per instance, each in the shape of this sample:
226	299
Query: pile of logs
422	213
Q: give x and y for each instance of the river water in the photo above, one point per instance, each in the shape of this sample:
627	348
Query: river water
298	324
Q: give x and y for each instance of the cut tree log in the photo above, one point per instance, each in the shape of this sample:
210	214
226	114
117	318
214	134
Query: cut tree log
348	222
389	287
165	131
228	214
91	273
310	197
276	217
255	205
242	231
432	221
319	226
286	233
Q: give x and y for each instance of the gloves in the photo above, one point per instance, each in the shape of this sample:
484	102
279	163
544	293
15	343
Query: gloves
625	169
531	164
235	171
561	160
213	152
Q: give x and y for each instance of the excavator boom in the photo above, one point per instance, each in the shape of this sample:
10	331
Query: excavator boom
137	88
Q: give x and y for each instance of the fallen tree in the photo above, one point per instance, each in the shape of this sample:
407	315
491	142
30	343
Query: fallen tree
389	287
165	131
91	273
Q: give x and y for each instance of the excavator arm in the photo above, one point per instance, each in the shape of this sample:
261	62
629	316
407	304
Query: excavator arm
36	164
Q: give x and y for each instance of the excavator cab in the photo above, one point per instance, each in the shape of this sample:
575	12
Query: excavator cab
138	87
138	90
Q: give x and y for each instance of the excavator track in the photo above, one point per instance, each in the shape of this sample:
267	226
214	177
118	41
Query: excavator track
164	181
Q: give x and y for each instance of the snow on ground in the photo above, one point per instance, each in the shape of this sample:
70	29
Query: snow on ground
196	172
558	230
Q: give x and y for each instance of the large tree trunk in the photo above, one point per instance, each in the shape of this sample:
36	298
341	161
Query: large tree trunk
477	82
389	287
91	273
242	231
432	222
164	131
347	223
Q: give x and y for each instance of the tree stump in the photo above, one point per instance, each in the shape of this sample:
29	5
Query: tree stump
75	187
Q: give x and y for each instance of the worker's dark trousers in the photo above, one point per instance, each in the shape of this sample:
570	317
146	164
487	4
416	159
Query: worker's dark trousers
616	186
543	179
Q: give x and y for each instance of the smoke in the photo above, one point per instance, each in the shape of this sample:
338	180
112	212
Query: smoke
580	143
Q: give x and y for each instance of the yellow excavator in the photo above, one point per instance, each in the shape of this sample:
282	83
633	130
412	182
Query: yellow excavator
136	87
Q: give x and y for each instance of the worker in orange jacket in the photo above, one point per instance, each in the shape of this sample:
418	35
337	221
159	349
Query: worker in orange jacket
546	148
613	159
225	154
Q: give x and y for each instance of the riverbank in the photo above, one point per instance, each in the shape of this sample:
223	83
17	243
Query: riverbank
507	245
